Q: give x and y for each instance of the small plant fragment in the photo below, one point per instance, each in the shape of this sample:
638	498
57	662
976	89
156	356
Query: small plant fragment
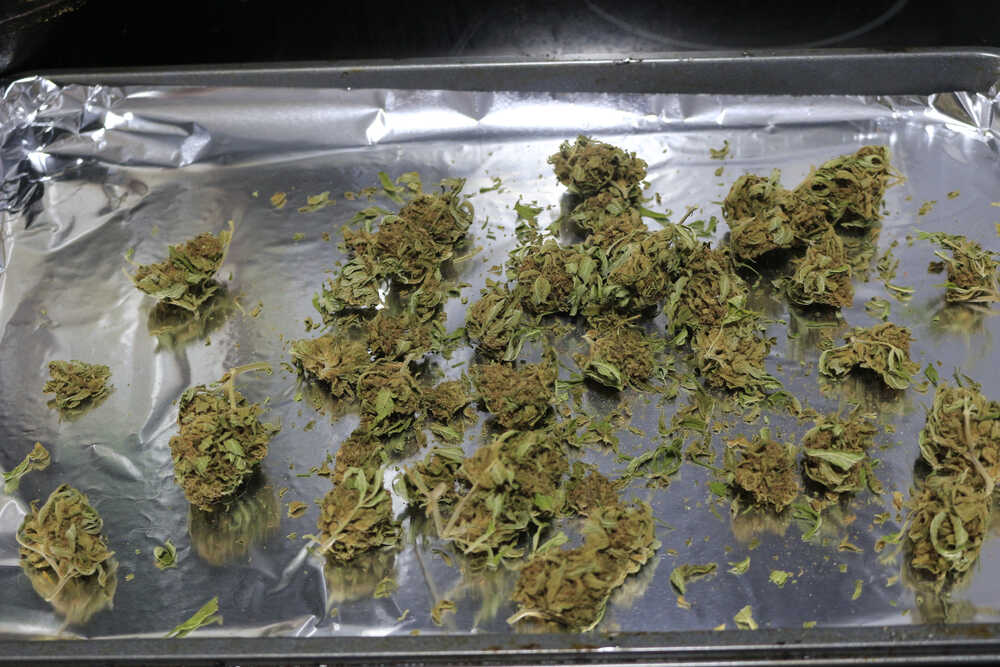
221	440
682	574
440	609
779	577
744	619
185	278
207	615
165	557
972	271
386	587
65	555
37	459
740	567
77	385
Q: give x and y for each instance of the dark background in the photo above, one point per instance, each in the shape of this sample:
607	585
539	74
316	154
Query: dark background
53	34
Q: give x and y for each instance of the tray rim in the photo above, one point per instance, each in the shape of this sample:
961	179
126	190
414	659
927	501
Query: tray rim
833	71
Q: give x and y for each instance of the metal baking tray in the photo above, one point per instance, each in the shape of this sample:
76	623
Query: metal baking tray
896	73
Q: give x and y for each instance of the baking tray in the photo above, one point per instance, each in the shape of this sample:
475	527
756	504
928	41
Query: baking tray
849	72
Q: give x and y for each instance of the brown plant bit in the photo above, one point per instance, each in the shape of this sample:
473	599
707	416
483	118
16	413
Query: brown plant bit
518	397
334	360
823	276
589	166
948	518
78	386
554	279
236	525
505	489
700	296
963	430
390	403
66	556
834	454
765	469
731	355
883	349
849	188
497	324
221	440
184	279
620	355
571	587
588	491
356	517
972	271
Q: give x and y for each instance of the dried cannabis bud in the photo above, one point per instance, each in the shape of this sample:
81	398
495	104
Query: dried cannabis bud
731	355
963	430
356	517
849	188
497	324
431	482
221	440
835	455
184	279
972	271
823	276
447	408
588	491
765	469
404	336
334	360
555	279
619	355
65	555
589	166
78	386
518	397
571	587
883	349
608	217
390	400
701	295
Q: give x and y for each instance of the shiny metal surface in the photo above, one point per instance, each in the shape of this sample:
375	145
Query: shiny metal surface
93	172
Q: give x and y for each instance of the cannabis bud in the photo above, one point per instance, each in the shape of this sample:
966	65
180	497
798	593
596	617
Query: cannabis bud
356	517
972	271
963	430
333	360
883	349
78	386
589	166
835	454
823	276
518	397
221	440
497	324
66	556
184	279
763	468
849	188
619	355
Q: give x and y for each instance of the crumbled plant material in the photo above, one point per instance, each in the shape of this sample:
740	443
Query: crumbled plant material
78	386
37	459
221	440
744	619
440	609
948	518
570	587
588	167
403	336
835	454
356	517
185	278
497	325
334	360
446	406
849	188
972	270
588	491
65	555
883	349
235	525
763	468
823	276
963	430
360	450
518	397
619	355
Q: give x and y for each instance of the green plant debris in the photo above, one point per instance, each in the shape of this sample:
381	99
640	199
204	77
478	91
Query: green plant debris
681	575
779	577
185	278
440	609
740	567
744	619
878	307
971	270
809	517
835	454
883	349
296	508
764	469
720	153
858	585
221	440
78	386
207	615
588	491
65	555
386	587
926	207
165	556
37	459
570	588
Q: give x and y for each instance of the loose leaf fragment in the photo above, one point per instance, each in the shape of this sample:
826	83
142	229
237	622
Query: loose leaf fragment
440	609
739	568
207	615
37	459
744	619
682	574
165	557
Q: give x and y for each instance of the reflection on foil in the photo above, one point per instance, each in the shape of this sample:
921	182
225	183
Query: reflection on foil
231	529
175	327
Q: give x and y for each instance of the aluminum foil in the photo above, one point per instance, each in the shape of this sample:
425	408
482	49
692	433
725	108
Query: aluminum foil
89	174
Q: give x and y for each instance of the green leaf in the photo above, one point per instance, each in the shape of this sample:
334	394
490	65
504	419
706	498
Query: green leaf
740	567
843	460
682	574
744	619
540	290
931	374
857	589
207	615
165	557
779	577
384	404
386	588
719	488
